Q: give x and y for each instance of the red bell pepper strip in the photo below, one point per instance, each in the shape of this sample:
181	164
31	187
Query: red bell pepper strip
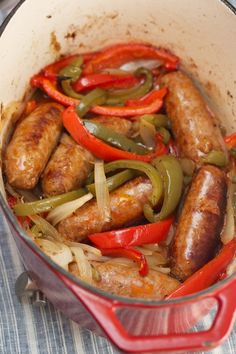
230	141
51	90
105	81
49	87
133	236
148	98
116	55
208	274
74	125
50	71
131	254
154	107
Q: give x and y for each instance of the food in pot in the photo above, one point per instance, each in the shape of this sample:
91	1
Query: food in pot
194	128
119	172
33	141
200	223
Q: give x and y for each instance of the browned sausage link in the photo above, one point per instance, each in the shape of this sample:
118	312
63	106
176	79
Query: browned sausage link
68	167
195	130
198	231
119	125
70	164
32	144
126	204
124	280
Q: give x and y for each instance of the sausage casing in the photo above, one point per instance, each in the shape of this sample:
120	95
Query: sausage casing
118	125
126	204
124	280
71	164
195	129
32	144
68	167
201	220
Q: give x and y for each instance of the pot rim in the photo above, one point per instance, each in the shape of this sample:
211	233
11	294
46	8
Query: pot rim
125	300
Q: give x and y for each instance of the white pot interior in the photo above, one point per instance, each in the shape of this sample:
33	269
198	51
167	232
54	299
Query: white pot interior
201	32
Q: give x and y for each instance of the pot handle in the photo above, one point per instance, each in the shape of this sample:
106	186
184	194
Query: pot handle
104	312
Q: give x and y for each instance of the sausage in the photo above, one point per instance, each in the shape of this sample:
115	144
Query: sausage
126	204
119	125
67	169
71	164
32	144
124	280
195	129
200	223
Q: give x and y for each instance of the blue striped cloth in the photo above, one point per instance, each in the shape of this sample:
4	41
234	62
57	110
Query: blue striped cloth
25	329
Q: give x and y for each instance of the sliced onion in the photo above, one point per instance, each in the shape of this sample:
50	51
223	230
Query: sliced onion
122	260
85	269
229	227
170	236
86	248
144	63
93	257
63	211
10	116
12	191
58	252
152	246
156	260
7	120
102	192
47	229
9	189
145	251
164	270
147	132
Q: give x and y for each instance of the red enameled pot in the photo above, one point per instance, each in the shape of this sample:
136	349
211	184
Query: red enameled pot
202	33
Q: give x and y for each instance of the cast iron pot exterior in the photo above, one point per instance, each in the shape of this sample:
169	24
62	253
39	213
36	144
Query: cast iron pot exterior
202	33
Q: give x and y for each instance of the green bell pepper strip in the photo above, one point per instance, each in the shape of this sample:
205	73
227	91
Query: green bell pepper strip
165	134
115	181
187	180
72	72
93	98
120	96
172	176
232	152
42	205
188	166
115	139
144	167
217	158
158	120
68	90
